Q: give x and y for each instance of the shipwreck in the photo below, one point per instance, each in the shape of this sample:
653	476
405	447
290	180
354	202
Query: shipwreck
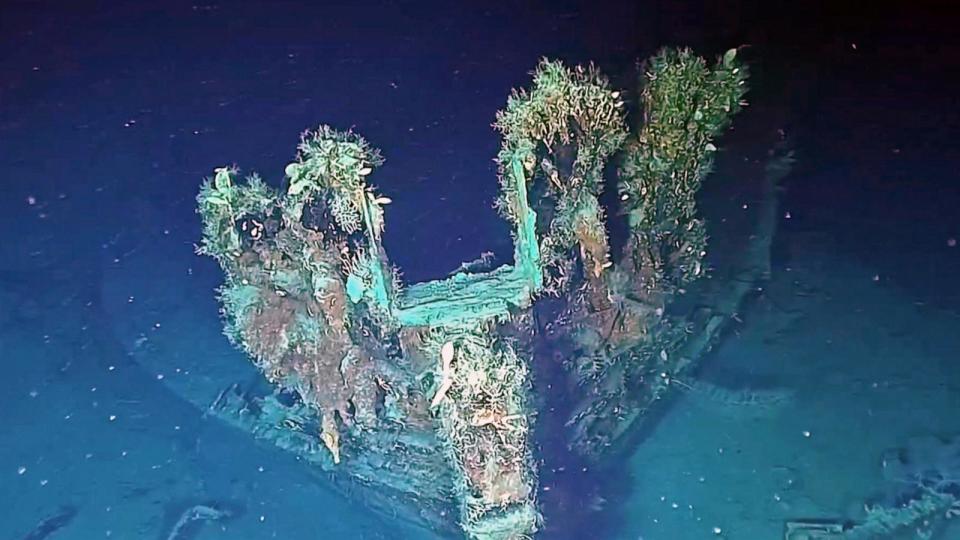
436	396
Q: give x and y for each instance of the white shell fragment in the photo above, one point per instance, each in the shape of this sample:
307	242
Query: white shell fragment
446	373
446	353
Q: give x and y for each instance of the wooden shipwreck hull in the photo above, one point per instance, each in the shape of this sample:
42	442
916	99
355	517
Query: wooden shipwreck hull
424	396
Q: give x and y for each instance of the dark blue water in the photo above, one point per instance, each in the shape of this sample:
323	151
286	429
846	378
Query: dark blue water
112	113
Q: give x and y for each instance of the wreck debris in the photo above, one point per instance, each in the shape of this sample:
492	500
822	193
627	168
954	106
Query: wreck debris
195	514
52	523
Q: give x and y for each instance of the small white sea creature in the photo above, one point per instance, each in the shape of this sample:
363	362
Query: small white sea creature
446	373
446	354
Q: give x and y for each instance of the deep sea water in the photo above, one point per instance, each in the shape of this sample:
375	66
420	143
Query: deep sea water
112	113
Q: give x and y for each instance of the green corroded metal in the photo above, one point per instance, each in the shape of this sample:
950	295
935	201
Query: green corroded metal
527	249
465	299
